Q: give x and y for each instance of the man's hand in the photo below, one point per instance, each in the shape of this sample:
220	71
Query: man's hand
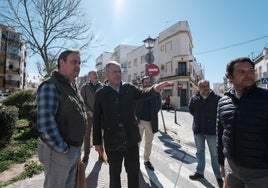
90	114
222	171
85	158
99	149
158	87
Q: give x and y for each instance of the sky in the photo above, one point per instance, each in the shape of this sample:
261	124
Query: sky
221	29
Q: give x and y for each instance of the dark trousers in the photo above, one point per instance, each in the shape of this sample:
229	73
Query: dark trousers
131	163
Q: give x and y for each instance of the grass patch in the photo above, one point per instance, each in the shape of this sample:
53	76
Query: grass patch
23	146
17	153
30	169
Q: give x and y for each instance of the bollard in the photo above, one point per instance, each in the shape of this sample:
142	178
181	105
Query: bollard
163	121
175	116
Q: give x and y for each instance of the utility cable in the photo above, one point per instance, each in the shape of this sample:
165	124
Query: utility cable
230	46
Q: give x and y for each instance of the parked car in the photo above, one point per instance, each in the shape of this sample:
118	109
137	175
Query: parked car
3	96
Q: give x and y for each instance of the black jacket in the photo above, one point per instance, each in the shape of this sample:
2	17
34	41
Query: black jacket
242	128
155	106
204	113
113	109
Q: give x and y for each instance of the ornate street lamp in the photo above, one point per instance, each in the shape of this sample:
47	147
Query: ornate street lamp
149	58
149	43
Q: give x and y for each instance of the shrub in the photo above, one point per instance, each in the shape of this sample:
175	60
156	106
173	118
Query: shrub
24	100
8	117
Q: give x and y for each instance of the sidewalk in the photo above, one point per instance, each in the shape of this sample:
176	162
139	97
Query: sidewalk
97	175
173	156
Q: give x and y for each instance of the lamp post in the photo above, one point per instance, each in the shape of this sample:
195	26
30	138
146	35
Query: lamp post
149	58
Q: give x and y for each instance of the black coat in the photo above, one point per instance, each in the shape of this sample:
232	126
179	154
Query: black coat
155	106
204	113
113	109
242	129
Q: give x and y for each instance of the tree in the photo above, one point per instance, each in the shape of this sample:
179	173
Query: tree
48	27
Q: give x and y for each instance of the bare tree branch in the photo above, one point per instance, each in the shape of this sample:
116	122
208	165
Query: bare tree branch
48	26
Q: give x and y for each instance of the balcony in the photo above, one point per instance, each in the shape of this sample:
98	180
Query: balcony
12	83
13	71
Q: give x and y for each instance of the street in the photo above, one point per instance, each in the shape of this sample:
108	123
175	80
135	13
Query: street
173	153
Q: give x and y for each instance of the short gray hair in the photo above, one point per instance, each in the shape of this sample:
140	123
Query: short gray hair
202	81
107	66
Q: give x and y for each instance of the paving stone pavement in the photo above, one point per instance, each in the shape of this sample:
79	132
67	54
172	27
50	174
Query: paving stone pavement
97	176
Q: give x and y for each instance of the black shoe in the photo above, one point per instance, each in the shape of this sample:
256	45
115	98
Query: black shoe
149	165
220	182
196	176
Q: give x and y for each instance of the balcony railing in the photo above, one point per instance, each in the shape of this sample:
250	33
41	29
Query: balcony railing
12	83
13	71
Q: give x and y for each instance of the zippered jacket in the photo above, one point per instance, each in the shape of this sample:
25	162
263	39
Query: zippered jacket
242	128
204	111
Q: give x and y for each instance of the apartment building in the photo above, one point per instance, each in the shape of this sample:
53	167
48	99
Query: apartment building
172	53
119	54
13	59
261	68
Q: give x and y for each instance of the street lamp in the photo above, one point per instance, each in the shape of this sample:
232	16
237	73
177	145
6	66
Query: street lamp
149	43
149	58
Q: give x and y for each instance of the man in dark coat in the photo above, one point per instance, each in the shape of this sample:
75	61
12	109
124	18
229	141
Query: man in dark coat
88	92
203	107
242	128
147	114
114	113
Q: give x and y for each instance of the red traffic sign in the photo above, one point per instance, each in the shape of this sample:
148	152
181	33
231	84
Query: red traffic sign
180	85
153	69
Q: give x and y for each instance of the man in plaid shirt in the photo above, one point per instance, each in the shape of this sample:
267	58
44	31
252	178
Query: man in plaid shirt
61	121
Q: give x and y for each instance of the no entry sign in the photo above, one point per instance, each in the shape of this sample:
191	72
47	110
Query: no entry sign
153	70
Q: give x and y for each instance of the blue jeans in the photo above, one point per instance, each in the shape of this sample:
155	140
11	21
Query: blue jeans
201	155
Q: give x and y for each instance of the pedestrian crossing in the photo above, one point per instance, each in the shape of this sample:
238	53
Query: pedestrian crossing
174	162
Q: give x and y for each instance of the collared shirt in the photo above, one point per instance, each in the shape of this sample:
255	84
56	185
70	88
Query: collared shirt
48	98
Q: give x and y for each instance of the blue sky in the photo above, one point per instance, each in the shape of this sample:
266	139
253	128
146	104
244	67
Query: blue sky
214	24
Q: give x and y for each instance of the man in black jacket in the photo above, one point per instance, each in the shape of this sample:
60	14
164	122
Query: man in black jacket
242	128
147	114
203	107
114	113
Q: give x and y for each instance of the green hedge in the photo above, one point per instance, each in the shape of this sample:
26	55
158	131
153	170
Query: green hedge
8	117
24	100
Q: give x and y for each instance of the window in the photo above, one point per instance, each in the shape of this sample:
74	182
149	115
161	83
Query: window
142	59
182	68
129	64
168	46
142	74
259	72
169	67
135	63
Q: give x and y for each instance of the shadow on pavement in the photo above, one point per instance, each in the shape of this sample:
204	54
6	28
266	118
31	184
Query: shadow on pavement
176	151
153	179
92	178
206	183
145	183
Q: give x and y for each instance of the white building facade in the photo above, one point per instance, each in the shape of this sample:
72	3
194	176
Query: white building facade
173	55
261	68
